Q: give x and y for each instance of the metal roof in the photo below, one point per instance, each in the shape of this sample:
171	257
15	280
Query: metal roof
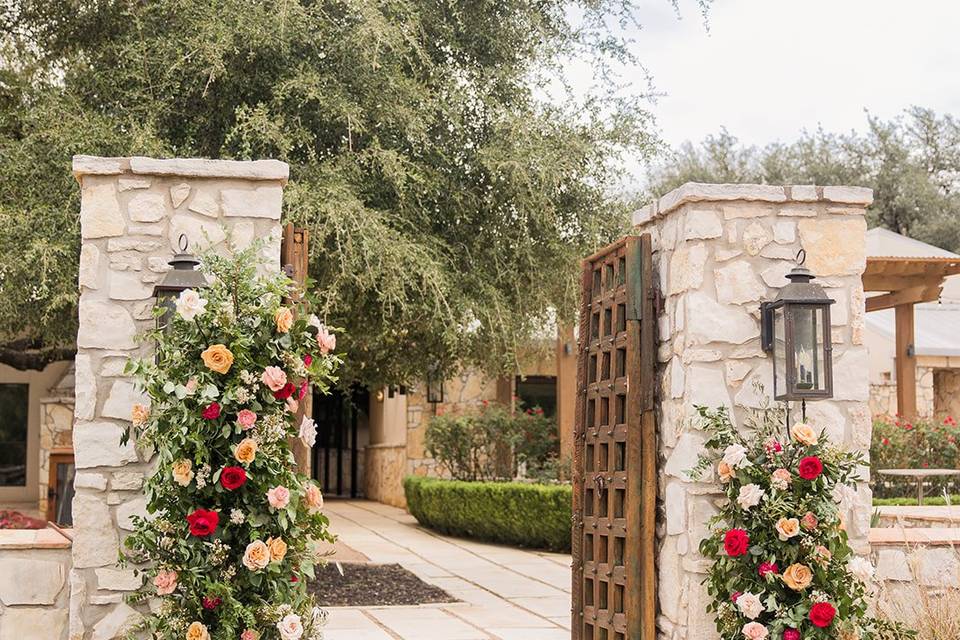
935	327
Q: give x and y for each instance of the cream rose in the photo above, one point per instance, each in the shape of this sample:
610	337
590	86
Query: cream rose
308	432
283	318
245	451
736	456
291	627
787	528
256	556
217	358
313	498
278	549
754	631
750	496
804	434
797	576
182	472
197	631
861	568
749	605
190	304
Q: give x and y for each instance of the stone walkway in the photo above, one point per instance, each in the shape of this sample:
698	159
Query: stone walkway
506	593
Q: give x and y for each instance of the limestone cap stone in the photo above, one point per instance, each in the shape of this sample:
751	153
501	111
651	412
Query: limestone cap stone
708	192
271	170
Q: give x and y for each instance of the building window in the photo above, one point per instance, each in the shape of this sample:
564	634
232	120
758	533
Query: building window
14	404
538	391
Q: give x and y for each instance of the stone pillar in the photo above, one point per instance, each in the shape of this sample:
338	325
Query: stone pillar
132	212
720	250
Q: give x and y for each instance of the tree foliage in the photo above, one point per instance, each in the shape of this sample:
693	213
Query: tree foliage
912	163
447	199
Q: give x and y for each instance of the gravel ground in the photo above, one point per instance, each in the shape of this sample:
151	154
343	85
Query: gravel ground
363	585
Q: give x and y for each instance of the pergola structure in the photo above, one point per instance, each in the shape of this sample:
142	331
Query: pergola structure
900	283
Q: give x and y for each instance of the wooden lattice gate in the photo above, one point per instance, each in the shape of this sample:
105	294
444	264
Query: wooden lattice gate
615	454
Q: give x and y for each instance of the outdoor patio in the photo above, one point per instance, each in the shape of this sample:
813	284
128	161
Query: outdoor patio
506	593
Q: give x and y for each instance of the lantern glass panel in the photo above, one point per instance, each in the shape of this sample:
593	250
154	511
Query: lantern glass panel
779	353
167	300
808	349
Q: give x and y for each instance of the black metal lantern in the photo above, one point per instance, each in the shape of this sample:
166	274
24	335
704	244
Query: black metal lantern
796	329
183	276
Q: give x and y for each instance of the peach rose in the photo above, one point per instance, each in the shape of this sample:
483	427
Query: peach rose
313	498
278	549
809	521
217	358
139	414
725	471
249	634
182	471
278	497
797	576
256	556
165	582
245	451
197	631
804	434
823	554
787	528
283	318
274	378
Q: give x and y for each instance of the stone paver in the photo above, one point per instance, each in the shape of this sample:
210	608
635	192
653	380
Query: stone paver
505	593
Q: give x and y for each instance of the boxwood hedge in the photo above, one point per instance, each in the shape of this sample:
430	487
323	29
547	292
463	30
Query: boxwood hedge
515	513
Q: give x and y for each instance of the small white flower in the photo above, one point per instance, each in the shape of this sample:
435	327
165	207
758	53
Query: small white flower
861	568
308	432
749	605
750	496
237	516
736	456
190	304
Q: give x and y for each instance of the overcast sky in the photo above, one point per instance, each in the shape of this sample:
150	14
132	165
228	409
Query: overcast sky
769	68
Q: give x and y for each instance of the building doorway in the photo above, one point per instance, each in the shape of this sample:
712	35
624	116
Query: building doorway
342	436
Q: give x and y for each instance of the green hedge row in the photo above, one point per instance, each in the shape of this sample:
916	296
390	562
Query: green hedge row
515	513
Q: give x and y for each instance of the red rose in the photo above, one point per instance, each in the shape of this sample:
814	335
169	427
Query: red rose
284	392
791	634
211	603
203	523
736	542
822	614
308	359
233	478
810	468
212	412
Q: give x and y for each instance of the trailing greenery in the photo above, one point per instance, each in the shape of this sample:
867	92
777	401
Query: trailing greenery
516	513
913	444
447	197
911	162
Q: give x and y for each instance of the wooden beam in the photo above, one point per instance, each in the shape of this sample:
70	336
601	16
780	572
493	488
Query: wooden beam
566	352
913	295
906	362
883	282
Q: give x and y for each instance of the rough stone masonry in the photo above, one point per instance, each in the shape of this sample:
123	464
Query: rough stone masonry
132	213
720	250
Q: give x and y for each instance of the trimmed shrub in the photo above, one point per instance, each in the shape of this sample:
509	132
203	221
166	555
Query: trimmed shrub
515	513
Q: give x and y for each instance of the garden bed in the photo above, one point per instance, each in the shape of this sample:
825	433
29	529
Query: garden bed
514	513
367	585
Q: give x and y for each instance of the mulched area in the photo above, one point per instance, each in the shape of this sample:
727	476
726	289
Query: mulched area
364	585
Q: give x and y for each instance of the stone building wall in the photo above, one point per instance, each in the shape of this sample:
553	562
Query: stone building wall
719	251
133	210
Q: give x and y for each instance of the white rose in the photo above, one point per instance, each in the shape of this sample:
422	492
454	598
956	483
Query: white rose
736	456
314	321
190	304
308	432
861	568
750	496
749	605
291	628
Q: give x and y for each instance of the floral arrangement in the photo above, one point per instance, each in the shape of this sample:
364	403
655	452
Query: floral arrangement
229	539
782	568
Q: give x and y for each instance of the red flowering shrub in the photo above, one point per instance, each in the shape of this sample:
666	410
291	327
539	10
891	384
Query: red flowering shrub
921	444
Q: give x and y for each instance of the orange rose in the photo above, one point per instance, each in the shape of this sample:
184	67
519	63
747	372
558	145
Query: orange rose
283	319
797	576
278	549
139	414
256	556
725	472
804	434
197	631
787	528
246	451
217	358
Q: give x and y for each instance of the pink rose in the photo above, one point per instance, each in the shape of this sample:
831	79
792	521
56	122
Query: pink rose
274	378
191	385
302	391
313	498
791	634
165	582
246	418
278	497
755	631
249	634
809	521
768	567
326	340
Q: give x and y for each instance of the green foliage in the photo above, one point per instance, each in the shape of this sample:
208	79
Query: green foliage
521	514
913	444
447	200
790	518
200	425
928	501
911	162
479	444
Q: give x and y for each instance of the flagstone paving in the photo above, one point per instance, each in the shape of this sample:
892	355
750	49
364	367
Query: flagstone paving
506	593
